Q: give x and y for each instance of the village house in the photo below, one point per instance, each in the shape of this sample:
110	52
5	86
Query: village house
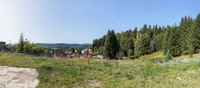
2	46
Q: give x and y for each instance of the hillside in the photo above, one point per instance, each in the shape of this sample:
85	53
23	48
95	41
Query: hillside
63	45
145	72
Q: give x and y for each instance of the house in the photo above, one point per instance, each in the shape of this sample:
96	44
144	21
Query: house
2	46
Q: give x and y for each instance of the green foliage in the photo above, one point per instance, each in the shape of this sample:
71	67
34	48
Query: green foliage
168	55
172	39
157	38
37	50
98	45
139	73
183	39
130	52
197	34
24	46
21	43
126	41
111	45
138	45
12	47
187	32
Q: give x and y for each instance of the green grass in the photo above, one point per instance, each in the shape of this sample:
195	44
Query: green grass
91	73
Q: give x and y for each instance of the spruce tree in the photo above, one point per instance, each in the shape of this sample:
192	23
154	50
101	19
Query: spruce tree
111	45
187	32
21	43
174	40
138	45
197	33
175	46
166	40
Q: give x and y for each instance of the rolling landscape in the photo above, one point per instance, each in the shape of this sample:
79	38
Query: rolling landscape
63	45
99	44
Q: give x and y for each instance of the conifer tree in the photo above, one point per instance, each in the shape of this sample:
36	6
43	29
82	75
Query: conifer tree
21	43
138	45
175	45
174	40
111	45
187	32
166	38
197	33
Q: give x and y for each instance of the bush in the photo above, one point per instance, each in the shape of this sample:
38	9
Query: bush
37	50
168	56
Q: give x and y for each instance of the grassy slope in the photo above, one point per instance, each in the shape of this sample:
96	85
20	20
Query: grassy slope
139	73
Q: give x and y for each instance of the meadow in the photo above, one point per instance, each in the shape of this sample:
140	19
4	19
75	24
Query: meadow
149	71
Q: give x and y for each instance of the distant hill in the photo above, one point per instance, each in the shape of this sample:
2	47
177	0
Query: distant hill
63	45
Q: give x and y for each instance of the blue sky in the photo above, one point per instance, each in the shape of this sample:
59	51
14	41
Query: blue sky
81	21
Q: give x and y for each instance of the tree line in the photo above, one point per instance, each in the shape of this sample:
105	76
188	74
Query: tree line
174	40
25	46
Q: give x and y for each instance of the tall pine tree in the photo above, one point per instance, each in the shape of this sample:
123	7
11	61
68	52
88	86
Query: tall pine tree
187	32
197	34
111	45
21	43
138	45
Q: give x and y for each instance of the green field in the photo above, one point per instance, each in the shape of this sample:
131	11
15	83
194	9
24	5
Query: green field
148	71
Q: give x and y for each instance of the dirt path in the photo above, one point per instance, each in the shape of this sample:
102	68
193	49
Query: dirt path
12	77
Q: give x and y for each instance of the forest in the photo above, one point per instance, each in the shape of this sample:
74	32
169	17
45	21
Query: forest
174	40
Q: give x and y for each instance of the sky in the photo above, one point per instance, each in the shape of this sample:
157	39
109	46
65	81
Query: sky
82	21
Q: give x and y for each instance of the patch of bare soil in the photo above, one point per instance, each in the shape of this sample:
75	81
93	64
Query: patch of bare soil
12	77
95	83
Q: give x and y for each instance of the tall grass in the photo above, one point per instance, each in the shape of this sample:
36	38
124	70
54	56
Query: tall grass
92	73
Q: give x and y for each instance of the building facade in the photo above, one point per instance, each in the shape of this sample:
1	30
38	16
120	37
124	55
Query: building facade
2	46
